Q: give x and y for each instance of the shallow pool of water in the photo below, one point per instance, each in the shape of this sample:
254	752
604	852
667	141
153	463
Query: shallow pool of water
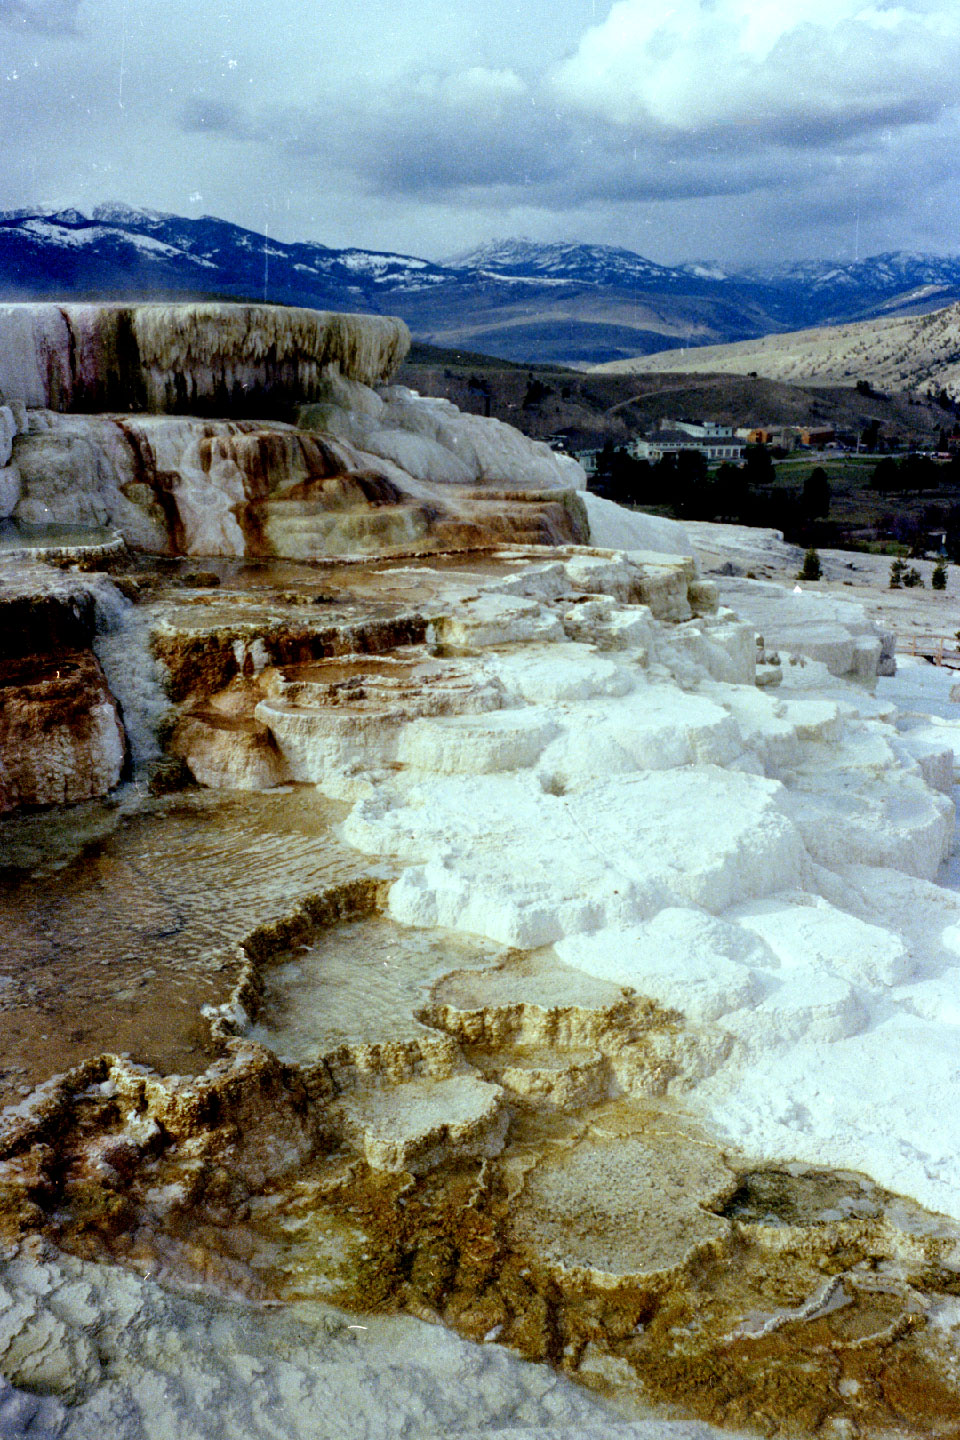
118	920
360	983
18	535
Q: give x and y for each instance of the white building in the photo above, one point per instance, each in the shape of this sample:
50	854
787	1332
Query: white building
716	443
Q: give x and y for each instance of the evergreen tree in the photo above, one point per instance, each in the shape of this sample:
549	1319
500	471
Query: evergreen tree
810	569
816	494
886	475
758	465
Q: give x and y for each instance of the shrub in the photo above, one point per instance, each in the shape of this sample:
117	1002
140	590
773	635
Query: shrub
938	580
897	571
810	569
913	579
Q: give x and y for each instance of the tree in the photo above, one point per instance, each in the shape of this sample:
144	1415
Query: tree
913	579
810	569
693	497
816	494
758	465
536	392
897	571
938	580
886	475
731	494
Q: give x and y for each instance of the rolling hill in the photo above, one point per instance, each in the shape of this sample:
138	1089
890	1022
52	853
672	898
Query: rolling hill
918	353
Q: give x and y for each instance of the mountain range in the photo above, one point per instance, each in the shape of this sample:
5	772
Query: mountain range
516	299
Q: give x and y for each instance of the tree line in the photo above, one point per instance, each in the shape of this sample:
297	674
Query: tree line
733	494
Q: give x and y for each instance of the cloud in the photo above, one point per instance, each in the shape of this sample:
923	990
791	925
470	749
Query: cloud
810	69
201	113
58	16
750	107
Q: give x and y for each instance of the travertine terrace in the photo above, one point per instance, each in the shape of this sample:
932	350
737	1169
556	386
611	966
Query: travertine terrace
511	953
255	430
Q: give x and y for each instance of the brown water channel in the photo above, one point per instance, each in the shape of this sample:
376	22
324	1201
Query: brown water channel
118	921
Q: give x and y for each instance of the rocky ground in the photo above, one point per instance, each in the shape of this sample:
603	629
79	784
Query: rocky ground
847	575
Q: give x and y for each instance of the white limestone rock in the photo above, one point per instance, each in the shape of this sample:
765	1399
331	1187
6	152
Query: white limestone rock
476	744
491	452
603	623
225	757
784	733
434	442
617	528
722	647
846	817
805	932
10	490
8	428
814	1008
417	455
526	867
421	1124
549	675
827	628
291	1371
653	728
684	959
494	620
935	746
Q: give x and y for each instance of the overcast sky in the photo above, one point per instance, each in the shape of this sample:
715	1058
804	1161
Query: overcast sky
739	130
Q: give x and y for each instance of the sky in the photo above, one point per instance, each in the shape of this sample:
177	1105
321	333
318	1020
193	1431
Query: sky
741	131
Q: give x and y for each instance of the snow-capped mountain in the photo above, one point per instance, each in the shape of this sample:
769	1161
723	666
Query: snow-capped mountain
521	299
576	263
897	269
119	249
579	264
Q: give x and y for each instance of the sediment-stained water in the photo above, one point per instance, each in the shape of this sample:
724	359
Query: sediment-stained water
121	919
359	983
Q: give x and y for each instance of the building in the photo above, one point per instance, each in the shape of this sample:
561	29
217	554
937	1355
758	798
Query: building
717	443
816	438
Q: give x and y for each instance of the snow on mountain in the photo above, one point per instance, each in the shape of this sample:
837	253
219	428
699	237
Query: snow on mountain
898	270
471	299
591	264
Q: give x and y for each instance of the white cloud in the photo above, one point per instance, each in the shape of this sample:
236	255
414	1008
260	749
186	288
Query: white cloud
765	65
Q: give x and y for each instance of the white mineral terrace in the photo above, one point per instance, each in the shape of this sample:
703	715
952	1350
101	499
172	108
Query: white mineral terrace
579	767
557	945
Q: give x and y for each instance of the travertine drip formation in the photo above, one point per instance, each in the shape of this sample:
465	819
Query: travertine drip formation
191	359
230	430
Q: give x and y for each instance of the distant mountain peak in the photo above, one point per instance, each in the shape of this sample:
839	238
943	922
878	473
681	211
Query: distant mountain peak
115	212
574	261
